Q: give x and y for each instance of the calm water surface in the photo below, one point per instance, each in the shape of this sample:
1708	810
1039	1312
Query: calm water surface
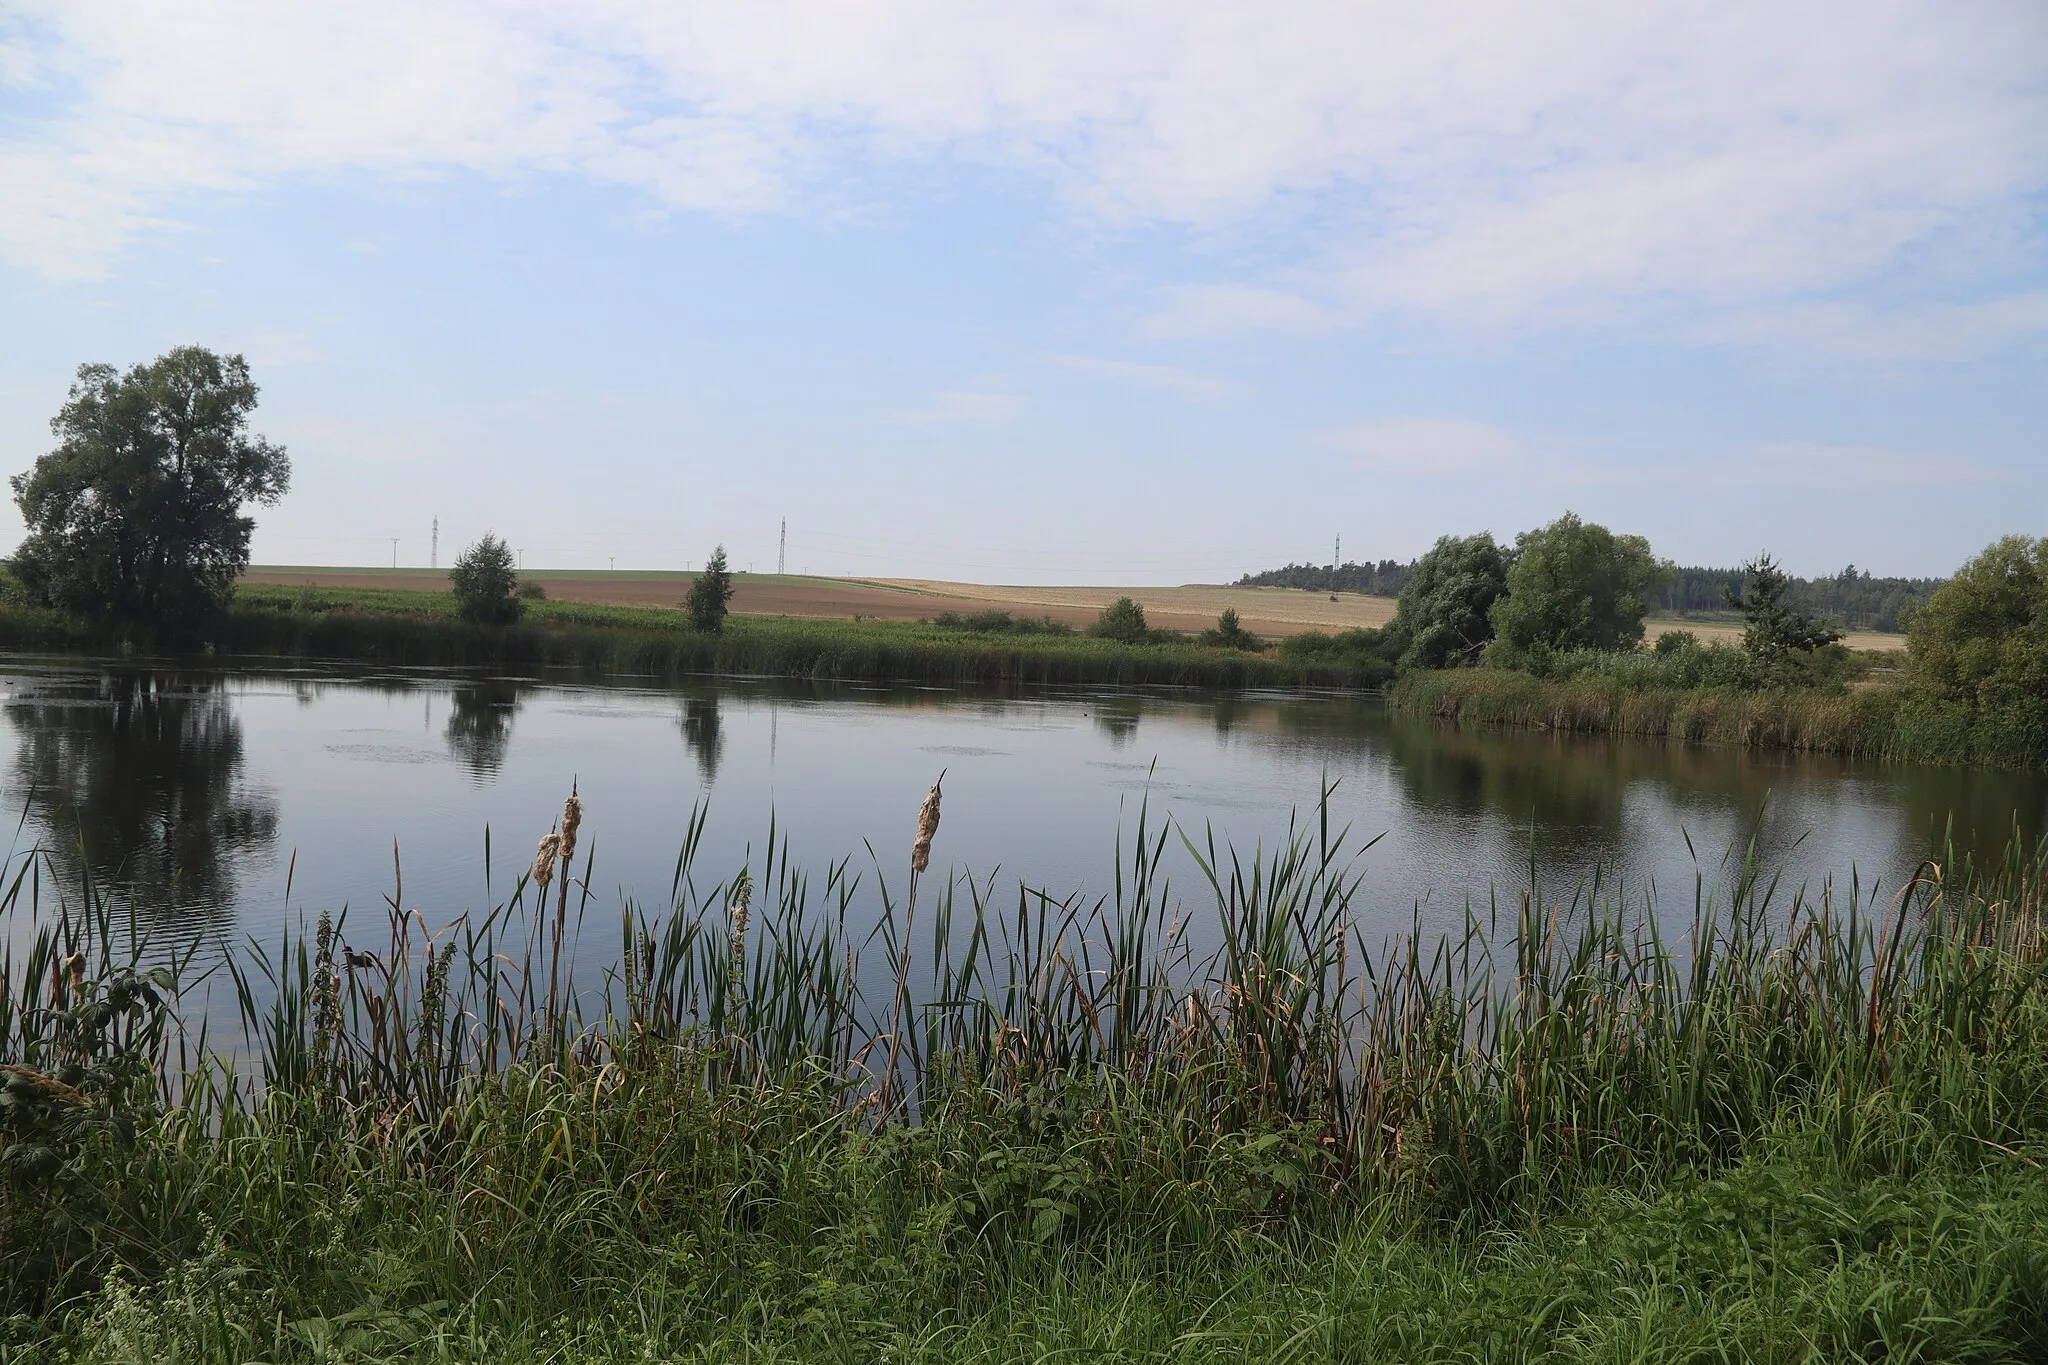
206	792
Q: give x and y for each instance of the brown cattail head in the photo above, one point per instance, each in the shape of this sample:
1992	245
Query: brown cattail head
544	858
927	826
572	816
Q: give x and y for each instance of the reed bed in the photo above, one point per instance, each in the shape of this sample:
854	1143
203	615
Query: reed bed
420	629
1890	722
762	1128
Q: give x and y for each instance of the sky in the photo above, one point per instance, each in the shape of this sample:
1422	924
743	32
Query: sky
1129	292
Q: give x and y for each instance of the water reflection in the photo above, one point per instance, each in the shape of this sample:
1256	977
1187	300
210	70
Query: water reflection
142	771
480	724
701	732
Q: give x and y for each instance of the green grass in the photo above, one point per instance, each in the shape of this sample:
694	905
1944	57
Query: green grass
1886	721
400	627
1155	1126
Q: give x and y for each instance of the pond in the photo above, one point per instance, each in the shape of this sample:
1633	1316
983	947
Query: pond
222	800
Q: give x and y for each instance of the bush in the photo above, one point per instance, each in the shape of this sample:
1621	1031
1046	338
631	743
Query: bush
1671	641
484	581
1229	634
1122	620
710	593
530	591
1982	638
1371	652
999	622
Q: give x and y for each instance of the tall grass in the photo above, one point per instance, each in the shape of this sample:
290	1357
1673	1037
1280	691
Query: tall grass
1877	722
416	628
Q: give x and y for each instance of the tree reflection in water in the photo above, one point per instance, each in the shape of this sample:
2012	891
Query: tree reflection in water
480	725
141	773
701	731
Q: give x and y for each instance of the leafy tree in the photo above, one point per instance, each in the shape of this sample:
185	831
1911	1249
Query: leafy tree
1443	618
1772	631
1122	620
710	593
1575	585
485	583
137	514
1230	633
1983	637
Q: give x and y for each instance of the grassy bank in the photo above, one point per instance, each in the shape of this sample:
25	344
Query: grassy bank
1151	1127
1885	721
418	628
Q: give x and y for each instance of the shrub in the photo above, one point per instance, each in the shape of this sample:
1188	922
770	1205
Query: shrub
710	593
1671	641
999	622
530	591
484	581
1983	637
1229	634
1122	620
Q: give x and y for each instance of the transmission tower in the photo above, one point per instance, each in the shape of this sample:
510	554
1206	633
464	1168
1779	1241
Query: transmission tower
1336	558
782	548
434	547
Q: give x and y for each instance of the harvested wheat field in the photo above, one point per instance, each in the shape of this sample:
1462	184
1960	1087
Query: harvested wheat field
1266	611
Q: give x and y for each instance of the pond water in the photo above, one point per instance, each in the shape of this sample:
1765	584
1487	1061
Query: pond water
222	800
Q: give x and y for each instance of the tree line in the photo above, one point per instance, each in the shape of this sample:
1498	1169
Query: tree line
1854	598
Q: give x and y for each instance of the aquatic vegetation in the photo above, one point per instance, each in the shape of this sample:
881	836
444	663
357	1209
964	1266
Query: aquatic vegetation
1131	1120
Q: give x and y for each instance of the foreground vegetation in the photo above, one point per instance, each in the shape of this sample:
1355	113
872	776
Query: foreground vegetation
424	629
1137	1128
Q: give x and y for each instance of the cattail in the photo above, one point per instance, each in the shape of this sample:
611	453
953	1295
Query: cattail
927	826
572	816
77	966
742	898
544	858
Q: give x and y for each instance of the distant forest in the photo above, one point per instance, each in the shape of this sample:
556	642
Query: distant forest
1853	597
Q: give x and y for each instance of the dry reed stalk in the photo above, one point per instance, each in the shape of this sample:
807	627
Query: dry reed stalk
920	859
742	897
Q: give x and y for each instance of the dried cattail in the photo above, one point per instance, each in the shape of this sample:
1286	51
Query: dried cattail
77	967
742	900
544	858
572	816
927	826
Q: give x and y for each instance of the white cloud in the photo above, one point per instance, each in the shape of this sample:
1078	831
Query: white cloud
1474	163
968	405
1188	383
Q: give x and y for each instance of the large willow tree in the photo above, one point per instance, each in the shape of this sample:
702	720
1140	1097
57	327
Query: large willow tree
137	515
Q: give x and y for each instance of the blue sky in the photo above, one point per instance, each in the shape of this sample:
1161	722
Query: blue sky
1113	293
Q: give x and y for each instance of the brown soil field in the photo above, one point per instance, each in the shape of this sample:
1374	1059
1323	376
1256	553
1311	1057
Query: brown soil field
1266	611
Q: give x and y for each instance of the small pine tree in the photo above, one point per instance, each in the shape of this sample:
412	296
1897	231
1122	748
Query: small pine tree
710	593
484	581
1772	630
1230	633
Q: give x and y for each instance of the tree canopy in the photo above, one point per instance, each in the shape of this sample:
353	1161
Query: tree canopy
1576	585
1443	617
485	583
1983	636
709	593
136	515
